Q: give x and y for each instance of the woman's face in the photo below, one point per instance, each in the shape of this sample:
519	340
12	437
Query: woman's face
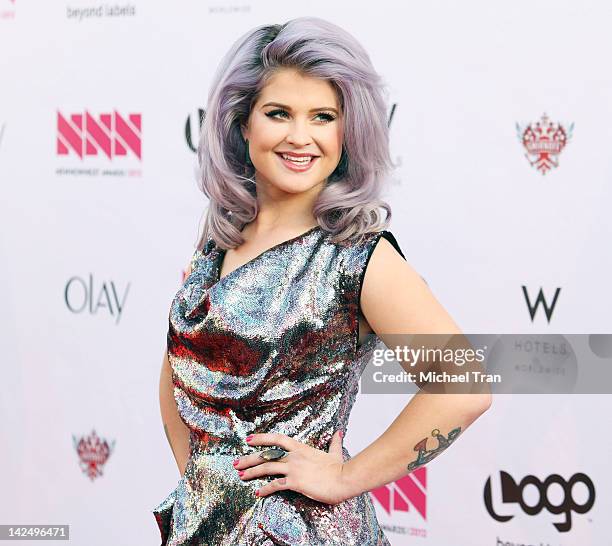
299	114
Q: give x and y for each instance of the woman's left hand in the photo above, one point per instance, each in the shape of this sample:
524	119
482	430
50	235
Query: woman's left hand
307	470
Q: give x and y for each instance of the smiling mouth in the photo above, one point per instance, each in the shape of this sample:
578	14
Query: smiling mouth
297	165
305	160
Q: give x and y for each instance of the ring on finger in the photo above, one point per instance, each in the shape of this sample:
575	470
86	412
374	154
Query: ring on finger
273	454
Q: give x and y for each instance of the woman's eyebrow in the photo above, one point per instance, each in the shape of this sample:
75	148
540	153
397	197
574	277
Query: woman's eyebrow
277	104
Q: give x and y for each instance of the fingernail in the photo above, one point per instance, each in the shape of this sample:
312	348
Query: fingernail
240	472
249	438
341	434
235	462
257	493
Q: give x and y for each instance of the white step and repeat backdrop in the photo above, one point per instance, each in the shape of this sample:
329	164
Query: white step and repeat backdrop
501	119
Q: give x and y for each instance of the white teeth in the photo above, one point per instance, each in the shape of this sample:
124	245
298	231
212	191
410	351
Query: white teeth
300	161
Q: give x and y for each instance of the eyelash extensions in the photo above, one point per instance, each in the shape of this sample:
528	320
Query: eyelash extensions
330	117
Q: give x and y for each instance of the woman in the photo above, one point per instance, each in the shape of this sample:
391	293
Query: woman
267	336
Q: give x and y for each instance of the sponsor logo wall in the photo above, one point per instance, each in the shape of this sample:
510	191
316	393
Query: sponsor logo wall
100	111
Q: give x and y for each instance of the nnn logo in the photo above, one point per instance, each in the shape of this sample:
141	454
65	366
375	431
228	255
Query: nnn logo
408	491
110	135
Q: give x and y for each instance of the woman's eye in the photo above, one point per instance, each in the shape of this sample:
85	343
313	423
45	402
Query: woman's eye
275	112
327	117
324	115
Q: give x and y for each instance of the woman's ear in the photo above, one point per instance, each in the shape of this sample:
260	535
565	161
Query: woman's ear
245	131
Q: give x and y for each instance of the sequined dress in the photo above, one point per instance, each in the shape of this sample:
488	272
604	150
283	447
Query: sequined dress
273	346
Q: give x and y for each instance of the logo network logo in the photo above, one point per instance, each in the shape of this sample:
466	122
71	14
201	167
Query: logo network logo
190	130
533	307
111	135
513	493
409	490
543	142
93	453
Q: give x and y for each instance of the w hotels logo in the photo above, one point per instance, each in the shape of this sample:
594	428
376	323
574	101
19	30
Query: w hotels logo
409	491
533	307
110	135
543	142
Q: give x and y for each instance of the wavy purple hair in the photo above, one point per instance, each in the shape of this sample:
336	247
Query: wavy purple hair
349	204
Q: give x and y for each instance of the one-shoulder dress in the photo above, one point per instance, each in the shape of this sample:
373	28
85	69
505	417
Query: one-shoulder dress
273	346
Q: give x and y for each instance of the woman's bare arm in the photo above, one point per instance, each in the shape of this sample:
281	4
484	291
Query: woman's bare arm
395	300
176	431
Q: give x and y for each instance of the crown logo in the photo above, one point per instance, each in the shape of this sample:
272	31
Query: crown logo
543	142
93	453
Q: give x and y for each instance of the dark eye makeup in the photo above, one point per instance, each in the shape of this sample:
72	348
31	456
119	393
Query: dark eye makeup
327	116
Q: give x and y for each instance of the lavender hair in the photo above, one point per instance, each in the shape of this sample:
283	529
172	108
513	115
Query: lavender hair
348	206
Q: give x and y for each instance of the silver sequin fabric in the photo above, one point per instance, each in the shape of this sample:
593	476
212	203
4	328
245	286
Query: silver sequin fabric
273	346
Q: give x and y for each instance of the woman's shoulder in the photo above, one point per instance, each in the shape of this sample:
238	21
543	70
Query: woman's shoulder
357	250
388	235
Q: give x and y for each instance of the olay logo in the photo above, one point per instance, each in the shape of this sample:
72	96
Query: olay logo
110	134
85	296
401	494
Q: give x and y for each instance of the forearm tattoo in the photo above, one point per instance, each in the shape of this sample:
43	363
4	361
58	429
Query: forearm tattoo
424	455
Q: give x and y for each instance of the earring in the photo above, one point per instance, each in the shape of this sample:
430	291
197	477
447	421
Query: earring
341	169
248	157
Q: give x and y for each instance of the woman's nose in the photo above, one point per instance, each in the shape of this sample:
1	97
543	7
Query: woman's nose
298	133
